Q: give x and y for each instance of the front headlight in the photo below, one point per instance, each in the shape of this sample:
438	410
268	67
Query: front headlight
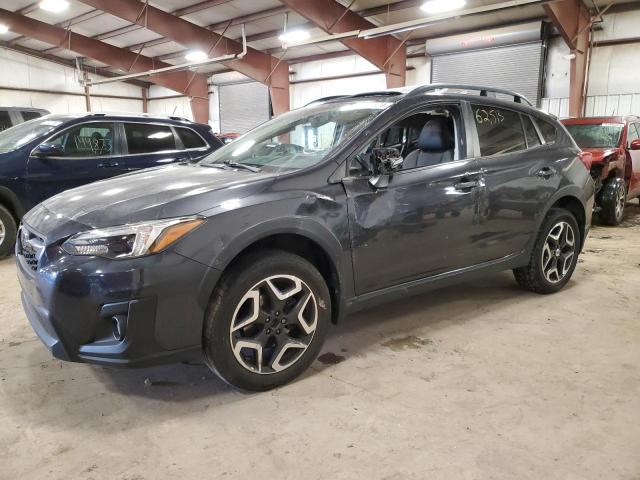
133	240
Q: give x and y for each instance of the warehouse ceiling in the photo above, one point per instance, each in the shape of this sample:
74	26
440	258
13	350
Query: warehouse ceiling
263	21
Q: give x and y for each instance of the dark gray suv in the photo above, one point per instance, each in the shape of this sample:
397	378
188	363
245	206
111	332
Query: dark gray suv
246	258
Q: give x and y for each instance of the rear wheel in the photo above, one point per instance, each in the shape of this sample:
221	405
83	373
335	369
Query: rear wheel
612	200
554	256
267	320
8	230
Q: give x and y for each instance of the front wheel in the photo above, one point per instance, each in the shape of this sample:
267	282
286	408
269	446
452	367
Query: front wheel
554	256
612	200
8	231
267	320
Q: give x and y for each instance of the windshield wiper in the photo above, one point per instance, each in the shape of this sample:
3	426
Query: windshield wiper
251	168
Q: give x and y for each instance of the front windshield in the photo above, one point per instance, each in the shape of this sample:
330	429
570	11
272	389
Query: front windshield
298	139
603	135
15	137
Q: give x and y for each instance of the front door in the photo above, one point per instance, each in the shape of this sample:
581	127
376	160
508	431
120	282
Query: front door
422	222
519	177
90	154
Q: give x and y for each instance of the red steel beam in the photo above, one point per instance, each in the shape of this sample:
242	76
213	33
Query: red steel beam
257	65
387	53
573	21
182	81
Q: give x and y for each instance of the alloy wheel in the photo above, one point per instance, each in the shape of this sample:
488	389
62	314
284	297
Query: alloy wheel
3	232
620	201
558	252
273	324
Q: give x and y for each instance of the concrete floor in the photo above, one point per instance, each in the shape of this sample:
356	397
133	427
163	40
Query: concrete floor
474	381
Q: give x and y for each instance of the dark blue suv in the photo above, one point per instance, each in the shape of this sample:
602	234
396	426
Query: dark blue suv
46	156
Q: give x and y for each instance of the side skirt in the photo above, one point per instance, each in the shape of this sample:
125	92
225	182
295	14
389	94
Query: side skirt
421	285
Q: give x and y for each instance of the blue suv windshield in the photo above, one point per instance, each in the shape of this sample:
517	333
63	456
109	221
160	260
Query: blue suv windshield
15	137
298	139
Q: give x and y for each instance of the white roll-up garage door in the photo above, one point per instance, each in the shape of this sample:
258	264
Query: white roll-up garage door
243	106
515	67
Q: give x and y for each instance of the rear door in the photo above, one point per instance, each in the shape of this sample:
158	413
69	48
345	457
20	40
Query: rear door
634	157
149	145
519	176
90	150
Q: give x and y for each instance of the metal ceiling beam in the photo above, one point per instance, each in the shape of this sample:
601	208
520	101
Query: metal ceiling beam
387	53
573	21
193	85
257	65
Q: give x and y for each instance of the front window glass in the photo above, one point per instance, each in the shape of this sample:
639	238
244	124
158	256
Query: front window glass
5	120
93	139
298	139
602	135
18	136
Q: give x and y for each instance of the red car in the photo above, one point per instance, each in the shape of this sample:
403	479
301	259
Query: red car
614	161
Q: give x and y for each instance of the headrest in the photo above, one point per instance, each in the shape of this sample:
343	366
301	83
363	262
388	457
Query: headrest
436	135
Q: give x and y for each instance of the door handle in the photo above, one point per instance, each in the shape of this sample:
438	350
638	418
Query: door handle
546	172
466	185
108	165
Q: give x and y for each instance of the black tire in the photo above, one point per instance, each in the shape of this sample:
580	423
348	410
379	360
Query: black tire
236	284
611	200
533	276
8	231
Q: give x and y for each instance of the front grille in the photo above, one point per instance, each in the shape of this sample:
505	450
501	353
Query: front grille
30	247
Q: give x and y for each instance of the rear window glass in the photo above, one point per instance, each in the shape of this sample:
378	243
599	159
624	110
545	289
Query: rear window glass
499	131
190	139
145	138
533	140
548	131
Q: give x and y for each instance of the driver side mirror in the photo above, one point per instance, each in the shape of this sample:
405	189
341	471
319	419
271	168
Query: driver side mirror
386	161
635	145
48	150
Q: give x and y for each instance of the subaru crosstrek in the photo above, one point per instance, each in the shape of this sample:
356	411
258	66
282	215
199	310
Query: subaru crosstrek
51	154
245	258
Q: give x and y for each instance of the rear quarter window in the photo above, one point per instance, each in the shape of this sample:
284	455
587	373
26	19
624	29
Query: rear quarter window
189	138
5	120
548	130
30	115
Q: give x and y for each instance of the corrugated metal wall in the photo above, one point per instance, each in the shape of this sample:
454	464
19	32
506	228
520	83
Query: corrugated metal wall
596	105
515	67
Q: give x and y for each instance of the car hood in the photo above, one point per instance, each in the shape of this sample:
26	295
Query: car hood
165	192
599	154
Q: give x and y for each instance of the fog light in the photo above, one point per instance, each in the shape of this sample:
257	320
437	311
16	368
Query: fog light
119	325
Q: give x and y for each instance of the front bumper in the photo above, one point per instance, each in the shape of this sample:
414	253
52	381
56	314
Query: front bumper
138	312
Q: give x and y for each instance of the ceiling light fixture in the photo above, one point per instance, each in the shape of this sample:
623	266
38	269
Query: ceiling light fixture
294	36
55	6
196	56
3	29
440	6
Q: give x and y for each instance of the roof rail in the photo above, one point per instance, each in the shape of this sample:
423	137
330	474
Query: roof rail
325	99
182	119
484	91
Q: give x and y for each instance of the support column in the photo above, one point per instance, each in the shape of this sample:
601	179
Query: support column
573	21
